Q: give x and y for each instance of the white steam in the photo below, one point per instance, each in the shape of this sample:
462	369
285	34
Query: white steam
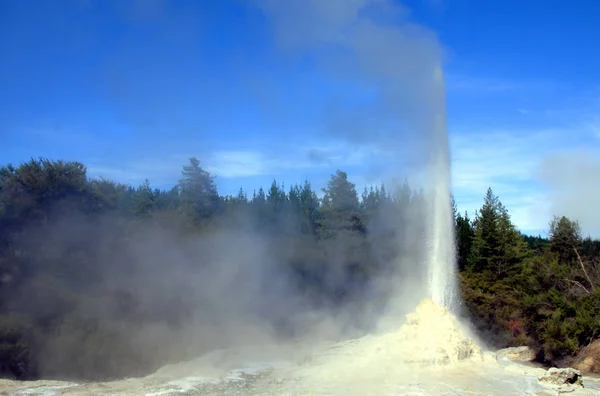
372	45
572	180
442	268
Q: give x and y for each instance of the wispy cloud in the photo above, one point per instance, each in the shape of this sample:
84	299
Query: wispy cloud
321	154
163	171
505	161
231	164
572	183
508	161
239	164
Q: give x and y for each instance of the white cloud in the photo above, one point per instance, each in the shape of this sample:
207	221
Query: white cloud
165	170
246	163
324	156
572	181
238	164
508	161
504	161
515	162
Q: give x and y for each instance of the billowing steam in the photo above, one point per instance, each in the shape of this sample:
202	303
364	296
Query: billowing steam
572	180
177	295
371	45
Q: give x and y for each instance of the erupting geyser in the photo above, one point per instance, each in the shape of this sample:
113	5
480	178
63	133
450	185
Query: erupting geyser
431	335
441	257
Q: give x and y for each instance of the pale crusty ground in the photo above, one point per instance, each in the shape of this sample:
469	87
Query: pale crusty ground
324	375
429	355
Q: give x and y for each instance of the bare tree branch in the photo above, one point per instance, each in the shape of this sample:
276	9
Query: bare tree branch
583	268
579	284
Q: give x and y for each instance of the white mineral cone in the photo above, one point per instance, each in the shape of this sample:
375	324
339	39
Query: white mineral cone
432	335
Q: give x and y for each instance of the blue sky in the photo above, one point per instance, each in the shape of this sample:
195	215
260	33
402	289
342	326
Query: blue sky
133	88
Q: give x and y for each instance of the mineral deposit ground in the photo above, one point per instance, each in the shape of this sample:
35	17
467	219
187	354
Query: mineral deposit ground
429	355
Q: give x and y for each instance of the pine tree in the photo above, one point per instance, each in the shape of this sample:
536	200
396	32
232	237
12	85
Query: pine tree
383	195
464	239
276	197
498	247
513	247
565	237
371	201
198	192
144	200
259	198
402	195
241	196
340	194
340	205
310	207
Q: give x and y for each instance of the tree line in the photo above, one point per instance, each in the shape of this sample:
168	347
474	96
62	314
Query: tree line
102	280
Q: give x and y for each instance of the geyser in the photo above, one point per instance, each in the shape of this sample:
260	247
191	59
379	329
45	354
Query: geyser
431	335
441	255
394	67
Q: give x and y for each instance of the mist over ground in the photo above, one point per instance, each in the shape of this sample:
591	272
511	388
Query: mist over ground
108	279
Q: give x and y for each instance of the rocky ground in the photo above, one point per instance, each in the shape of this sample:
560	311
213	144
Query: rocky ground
429	355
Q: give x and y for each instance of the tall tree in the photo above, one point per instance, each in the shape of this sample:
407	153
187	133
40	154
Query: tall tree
144	200
402	195
198	191
310	208
276	197
340	205
259	198
513	247
565	238
241	196
340	194
498	247
464	239
372	200
108	195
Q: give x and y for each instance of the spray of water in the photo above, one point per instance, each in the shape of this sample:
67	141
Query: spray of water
441	260
372	43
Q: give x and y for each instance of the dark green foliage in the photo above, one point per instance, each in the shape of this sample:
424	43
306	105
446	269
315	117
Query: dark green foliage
498	247
530	290
340	207
464	239
143	200
565	237
198	197
536	243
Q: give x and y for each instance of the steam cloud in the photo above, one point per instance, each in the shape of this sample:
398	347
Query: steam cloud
230	285
573	183
372	45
